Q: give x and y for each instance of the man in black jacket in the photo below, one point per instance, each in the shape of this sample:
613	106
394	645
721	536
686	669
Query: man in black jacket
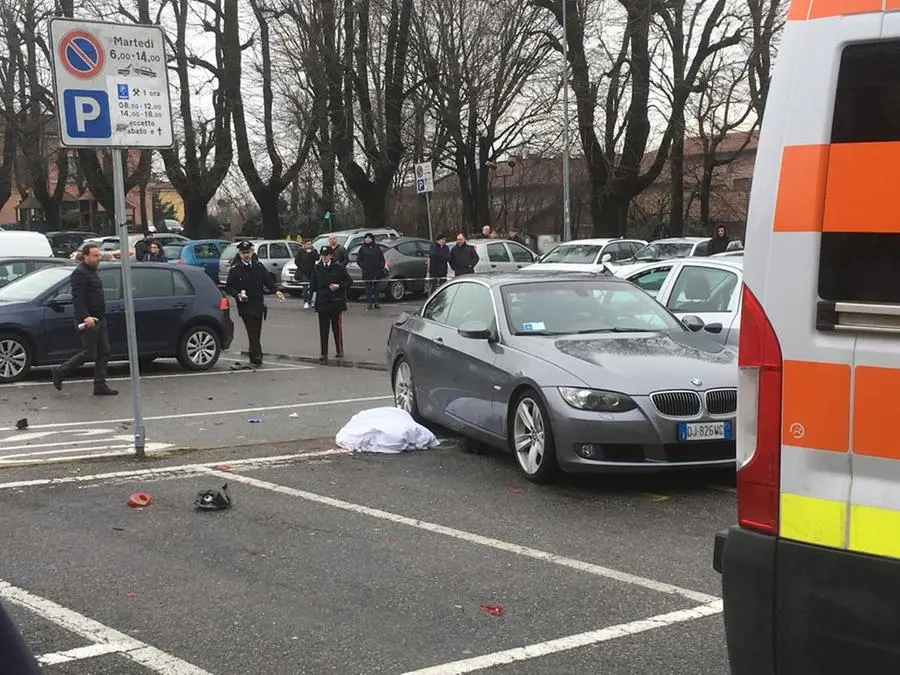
370	259
331	282
463	257
719	242
339	253
438	259
89	305
142	246
247	280
306	262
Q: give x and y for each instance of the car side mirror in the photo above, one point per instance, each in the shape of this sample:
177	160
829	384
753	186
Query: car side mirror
714	328
61	300
693	323
607	257
475	330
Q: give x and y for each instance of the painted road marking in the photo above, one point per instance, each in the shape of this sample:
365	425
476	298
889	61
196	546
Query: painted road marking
572	641
471	538
129	647
123	448
176	471
210	413
161	377
81	653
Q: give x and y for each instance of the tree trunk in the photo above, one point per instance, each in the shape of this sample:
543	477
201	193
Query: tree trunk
483	194
614	214
706	193
270	214
374	203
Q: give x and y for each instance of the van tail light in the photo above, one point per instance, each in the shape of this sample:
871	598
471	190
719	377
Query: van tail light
223	304
181	262
758	418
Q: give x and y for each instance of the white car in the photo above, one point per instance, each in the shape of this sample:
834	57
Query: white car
275	254
707	287
500	255
587	255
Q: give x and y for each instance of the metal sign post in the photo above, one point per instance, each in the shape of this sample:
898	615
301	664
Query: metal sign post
112	92
425	185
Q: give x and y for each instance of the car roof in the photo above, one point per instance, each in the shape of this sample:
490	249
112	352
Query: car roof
29	258
679	240
735	263
402	240
509	278
596	242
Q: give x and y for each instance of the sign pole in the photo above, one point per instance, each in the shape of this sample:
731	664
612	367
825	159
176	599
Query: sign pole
428	211
133	367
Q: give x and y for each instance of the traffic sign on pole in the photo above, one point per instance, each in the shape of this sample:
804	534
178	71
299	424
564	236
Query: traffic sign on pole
112	84
424	178
112	91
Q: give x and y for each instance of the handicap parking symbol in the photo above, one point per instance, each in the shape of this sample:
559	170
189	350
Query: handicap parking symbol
86	113
123	91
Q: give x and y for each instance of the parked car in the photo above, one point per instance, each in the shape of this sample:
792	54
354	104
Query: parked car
585	255
406	260
275	254
499	255
350	238
708	288
66	243
203	253
20	243
579	372
13	268
110	245
179	313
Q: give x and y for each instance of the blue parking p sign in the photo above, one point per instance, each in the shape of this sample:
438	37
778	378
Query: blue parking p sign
86	113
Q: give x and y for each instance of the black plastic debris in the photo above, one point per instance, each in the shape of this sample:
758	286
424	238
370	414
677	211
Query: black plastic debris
22	424
213	500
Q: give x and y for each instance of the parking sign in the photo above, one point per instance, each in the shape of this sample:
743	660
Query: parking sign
424	178
111	83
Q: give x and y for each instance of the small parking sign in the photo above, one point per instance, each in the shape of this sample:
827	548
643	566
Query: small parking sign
86	113
123	91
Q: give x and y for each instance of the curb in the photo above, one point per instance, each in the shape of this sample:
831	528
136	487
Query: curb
333	362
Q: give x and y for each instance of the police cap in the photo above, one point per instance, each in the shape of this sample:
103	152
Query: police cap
326	250
245	246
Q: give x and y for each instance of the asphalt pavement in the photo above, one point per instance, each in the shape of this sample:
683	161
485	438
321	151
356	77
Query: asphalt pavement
428	563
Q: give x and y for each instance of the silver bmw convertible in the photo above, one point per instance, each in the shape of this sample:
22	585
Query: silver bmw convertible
568	372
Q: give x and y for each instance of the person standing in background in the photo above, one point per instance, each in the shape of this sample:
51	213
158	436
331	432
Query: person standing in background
306	263
89	306
247	280
142	247
719	242
463	257
155	254
338	252
331	281
438	259
370	259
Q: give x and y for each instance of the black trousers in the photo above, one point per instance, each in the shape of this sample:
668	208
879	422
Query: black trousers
253	324
332	321
94	347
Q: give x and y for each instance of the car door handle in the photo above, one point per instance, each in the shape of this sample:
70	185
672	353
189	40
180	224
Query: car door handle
180	305
439	339
493	265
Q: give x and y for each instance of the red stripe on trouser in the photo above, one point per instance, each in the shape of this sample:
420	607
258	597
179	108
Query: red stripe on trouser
339	335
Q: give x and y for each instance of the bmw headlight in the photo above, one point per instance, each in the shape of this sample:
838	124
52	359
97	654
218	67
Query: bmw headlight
597	400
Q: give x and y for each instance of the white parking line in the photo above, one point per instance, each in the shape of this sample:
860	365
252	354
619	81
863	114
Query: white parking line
470	537
127	378
209	413
81	653
135	650
571	642
176	471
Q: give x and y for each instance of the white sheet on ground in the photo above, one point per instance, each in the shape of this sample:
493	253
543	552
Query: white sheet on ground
386	430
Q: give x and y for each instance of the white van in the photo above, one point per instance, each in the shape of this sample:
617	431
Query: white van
21	244
811	571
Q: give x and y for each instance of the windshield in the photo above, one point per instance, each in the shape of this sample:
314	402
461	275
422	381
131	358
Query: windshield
664	251
229	252
575	307
32	285
578	254
172	251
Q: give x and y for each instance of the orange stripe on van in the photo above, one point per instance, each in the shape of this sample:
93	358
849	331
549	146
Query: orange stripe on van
799	10
861	190
892	5
816	405
824	8
876	392
801	188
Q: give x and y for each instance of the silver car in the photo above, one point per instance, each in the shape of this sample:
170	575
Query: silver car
579	372
275	254
704	288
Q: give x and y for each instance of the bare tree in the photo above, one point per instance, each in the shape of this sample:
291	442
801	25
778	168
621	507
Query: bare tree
704	27
367	89
477	59
267	192
766	23
10	117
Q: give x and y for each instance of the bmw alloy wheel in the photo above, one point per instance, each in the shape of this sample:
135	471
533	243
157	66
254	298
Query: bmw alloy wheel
201	348
529	436
13	358
404	393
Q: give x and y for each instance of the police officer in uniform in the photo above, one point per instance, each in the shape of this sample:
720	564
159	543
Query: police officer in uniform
247	280
331	281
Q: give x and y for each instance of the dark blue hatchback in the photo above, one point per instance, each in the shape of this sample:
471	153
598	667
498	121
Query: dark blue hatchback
178	310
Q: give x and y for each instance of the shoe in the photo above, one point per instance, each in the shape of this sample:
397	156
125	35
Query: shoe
369	308
57	379
104	390
256	364
305	305
323	358
377	306
339	355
